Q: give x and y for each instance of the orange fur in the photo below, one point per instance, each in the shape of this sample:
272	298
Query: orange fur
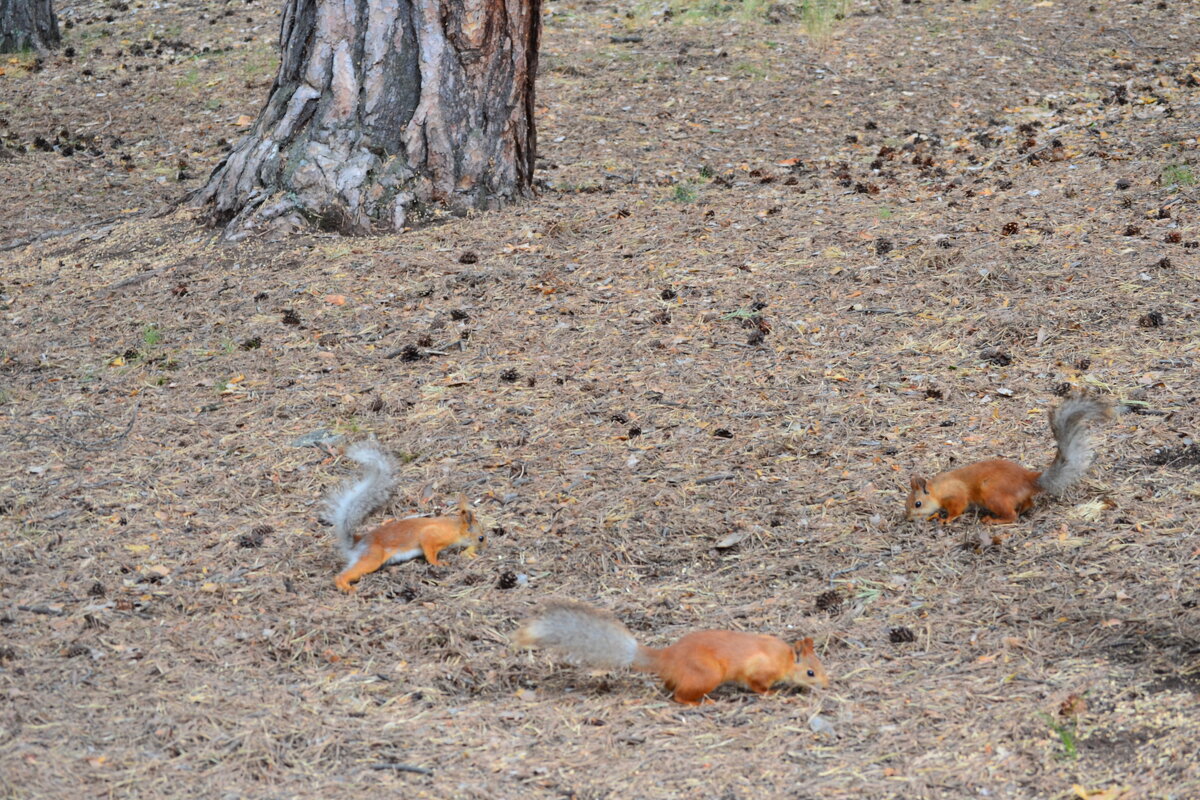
1004	489
430	535
701	661
690	668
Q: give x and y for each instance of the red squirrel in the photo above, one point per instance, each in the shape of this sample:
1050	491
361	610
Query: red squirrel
1004	489
395	540
690	668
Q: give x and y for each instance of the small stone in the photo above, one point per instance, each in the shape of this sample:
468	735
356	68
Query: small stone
821	725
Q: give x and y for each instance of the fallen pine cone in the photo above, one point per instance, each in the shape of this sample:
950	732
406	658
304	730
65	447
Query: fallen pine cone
830	602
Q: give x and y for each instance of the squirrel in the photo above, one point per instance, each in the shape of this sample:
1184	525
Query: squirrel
395	540
691	668
1003	488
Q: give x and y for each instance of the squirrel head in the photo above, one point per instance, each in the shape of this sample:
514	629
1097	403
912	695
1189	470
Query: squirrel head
473	535
808	671
920	504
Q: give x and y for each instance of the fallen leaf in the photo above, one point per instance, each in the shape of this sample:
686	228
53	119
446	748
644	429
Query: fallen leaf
729	540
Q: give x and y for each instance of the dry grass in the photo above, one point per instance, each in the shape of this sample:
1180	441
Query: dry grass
155	645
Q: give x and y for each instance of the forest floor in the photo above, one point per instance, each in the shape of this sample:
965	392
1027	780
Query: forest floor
768	275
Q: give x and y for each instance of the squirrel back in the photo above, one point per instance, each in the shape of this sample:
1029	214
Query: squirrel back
350	504
1068	423
691	668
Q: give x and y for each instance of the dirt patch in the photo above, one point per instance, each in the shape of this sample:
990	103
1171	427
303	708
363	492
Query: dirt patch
1183	456
1122	745
1177	683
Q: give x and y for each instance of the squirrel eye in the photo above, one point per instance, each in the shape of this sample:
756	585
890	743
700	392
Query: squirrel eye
812	674
917	504
481	538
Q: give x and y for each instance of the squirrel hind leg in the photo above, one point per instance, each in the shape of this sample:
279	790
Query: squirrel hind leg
1001	513
693	694
695	683
372	559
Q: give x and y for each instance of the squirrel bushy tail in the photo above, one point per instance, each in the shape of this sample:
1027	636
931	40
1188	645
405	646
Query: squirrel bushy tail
350	504
586	636
1068	422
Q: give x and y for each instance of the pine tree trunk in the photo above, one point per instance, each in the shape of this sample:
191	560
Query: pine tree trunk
27	25
384	113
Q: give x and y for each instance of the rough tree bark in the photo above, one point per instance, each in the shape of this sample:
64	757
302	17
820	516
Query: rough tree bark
27	25
385	112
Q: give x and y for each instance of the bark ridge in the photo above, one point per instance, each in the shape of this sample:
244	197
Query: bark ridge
385	112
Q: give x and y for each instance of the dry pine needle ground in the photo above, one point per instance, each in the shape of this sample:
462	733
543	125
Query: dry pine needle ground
763	282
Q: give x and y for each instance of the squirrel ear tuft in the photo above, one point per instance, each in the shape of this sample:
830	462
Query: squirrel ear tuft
805	645
464	505
917	483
